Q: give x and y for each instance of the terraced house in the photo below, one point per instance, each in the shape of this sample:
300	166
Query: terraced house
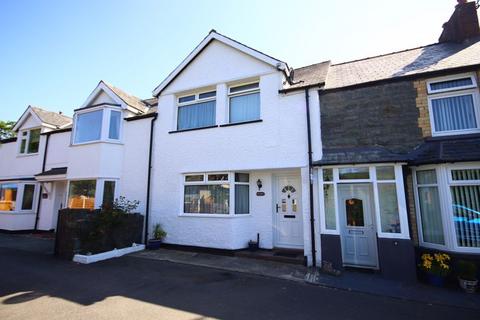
357	164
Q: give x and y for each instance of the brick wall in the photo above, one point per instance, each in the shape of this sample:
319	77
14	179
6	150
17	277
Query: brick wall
411	208
422	105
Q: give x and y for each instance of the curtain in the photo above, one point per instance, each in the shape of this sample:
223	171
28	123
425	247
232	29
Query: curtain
114	130
466	214
451	84
245	107
207	199
389	216
88	126
196	115
432	225
454	113
242	194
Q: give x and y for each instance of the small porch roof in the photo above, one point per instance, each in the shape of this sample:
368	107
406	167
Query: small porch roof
52	174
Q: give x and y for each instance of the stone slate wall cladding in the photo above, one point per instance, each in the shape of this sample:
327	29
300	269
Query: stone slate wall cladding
73	223
381	115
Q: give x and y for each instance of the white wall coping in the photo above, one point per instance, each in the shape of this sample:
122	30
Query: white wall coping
115	253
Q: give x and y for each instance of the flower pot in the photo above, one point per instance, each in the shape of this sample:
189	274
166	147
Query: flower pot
470	286
253	246
435	280
154	244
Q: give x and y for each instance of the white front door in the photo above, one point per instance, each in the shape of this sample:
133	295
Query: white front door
357	225
288	213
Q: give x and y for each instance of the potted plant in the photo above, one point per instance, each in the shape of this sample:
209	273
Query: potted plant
158	235
436	266
467	276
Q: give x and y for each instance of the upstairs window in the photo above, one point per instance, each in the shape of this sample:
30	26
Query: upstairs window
244	102
103	124
29	141
454	105
196	110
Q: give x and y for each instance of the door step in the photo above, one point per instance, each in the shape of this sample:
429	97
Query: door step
276	255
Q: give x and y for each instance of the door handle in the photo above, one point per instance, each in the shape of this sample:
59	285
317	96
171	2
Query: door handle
277	207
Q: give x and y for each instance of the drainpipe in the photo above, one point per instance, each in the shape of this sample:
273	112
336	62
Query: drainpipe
37	216
310	178
147	208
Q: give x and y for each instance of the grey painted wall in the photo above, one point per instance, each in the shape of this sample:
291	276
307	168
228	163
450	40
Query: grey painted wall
397	259
384	115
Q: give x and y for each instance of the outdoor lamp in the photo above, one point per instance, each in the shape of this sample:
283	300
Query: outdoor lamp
259	184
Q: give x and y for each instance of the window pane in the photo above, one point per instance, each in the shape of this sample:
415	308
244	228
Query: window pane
186	99
8	196
28	192
431	215
207	199
329	202
81	194
108	193
242	198
427	177
88	126
327	174
207	95
114	130
451	84
34	141
385	173
454	113
194	178
251	86
245	107
354	211
196	115
353	173
23	145
465	175
218	177
389	216
466	215
242	177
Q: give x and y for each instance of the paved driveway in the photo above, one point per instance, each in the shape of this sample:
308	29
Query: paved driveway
34	285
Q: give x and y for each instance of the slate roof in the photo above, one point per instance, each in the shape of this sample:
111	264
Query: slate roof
53	118
53	172
309	76
431	58
375	154
447	149
130	100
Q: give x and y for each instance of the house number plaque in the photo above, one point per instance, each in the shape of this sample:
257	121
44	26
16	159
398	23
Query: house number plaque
260	194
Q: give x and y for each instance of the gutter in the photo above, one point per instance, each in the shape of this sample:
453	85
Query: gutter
310	178
149	176
37	215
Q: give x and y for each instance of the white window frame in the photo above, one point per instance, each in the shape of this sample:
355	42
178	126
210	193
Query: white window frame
27	137
99	186
454	92
401	201
242	93
19	199
104	131
444	182
196	100
231	205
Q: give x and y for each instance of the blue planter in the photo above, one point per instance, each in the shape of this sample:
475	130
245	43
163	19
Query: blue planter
154	244
437	281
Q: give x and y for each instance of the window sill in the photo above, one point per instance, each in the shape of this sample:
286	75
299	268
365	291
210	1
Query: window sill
95	142
16	213
454	133
23	155
240	123
214	215
192	129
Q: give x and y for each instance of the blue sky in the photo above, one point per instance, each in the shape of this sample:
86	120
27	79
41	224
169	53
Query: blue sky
53	53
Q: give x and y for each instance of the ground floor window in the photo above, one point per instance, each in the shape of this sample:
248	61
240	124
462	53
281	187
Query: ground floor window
17	196
385	183
210	193
448	206
91	193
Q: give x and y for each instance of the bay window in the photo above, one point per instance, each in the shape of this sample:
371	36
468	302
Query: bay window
17	197
454	105
448	206
244	102
196	110
210	193
29	141
98	125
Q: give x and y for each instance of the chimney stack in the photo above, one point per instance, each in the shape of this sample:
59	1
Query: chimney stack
463	23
